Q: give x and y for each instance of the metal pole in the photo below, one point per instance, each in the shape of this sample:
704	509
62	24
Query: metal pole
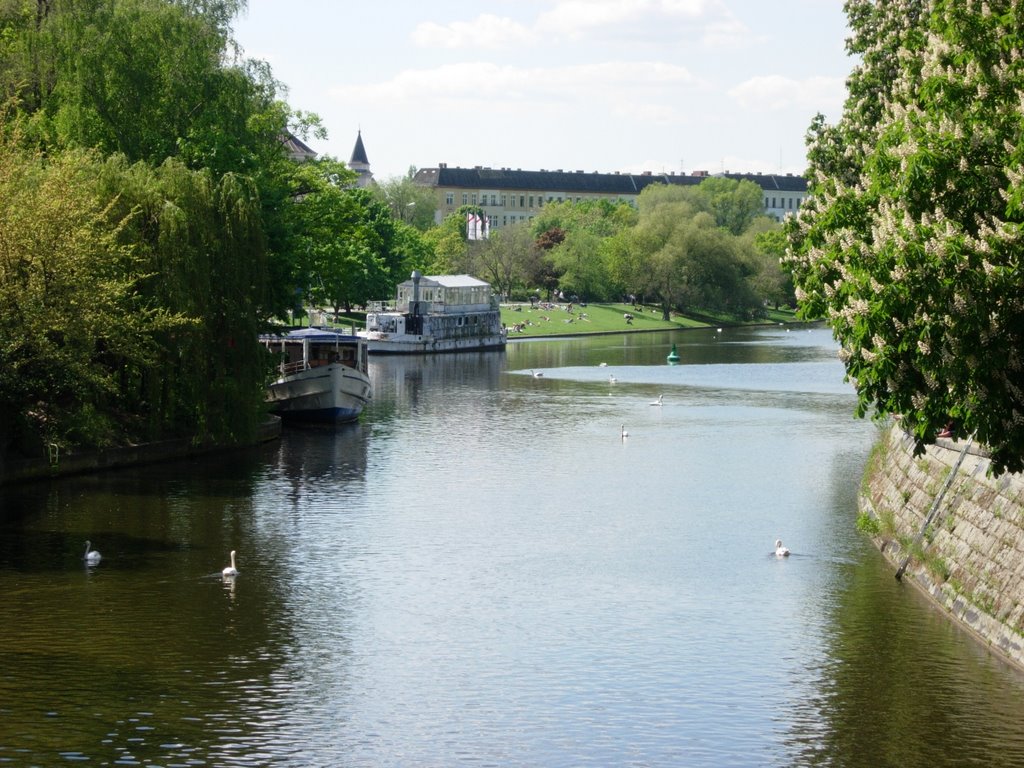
934	509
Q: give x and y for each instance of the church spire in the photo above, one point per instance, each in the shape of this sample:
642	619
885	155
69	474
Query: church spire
360	163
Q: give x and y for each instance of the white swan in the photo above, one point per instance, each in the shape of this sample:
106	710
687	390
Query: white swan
536	374
659	401
91	557
612	379
780	551
231	570
624	432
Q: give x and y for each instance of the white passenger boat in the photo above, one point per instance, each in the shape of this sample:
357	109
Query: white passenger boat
322	376
441	313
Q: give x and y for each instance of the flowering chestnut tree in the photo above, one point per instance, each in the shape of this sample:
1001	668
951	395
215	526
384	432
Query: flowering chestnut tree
911	243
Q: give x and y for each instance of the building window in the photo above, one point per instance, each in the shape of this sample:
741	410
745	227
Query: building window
531	201
522	201
449	198
494	199
465	198
773	202
473	201
503	201
766	202
791	203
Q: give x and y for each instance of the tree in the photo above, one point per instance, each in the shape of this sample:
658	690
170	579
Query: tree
452	251
346	241
74	317
148	79
678	255
408	202
734	204
200	247
504	258
578	258
909	245
765	243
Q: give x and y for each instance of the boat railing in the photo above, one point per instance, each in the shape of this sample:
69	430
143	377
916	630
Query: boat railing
290	369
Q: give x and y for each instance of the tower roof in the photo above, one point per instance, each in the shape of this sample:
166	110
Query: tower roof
358	152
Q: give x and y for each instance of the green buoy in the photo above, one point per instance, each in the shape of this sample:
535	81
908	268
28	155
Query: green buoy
673	356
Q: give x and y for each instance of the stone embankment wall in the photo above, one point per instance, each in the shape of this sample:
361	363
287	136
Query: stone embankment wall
971	558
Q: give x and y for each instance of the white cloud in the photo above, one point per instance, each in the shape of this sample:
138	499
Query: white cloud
487	31
650	87
646	21
777	93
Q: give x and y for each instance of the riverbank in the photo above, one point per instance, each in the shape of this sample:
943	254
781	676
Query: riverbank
57	464
970	559
547	319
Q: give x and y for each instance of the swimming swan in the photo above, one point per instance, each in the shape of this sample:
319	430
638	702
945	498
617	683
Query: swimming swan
624	432
659	400
780	551
231	570
536	374
91	557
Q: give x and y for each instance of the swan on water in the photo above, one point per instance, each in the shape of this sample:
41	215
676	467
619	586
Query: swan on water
536	374
659	401
612	379
231	570
91	557
624	432
780	551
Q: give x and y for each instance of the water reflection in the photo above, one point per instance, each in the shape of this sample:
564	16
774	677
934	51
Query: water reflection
483	572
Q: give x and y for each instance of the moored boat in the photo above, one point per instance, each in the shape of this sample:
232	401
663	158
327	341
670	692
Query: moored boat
441	313
322	376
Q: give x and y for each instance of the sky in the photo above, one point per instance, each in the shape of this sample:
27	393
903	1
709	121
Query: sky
667	86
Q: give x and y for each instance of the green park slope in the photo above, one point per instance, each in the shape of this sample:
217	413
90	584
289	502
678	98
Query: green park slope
546	319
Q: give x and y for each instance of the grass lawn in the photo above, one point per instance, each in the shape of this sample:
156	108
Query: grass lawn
555	320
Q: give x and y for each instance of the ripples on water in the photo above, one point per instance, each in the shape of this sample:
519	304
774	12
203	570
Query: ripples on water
483	572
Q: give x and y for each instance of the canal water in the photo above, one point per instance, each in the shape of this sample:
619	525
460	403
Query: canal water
485	572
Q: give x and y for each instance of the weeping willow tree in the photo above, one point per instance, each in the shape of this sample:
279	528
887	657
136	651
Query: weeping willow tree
201	243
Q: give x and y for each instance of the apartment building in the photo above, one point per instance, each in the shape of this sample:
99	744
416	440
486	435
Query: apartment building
509	196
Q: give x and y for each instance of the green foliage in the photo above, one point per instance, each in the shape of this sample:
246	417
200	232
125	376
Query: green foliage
766	248
734	204
73	318
409	203
868	524
347	247
143	78
200	240
909	244
679	256
132	288
573	236
505	258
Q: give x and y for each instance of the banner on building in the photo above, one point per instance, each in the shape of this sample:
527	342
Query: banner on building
477	227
